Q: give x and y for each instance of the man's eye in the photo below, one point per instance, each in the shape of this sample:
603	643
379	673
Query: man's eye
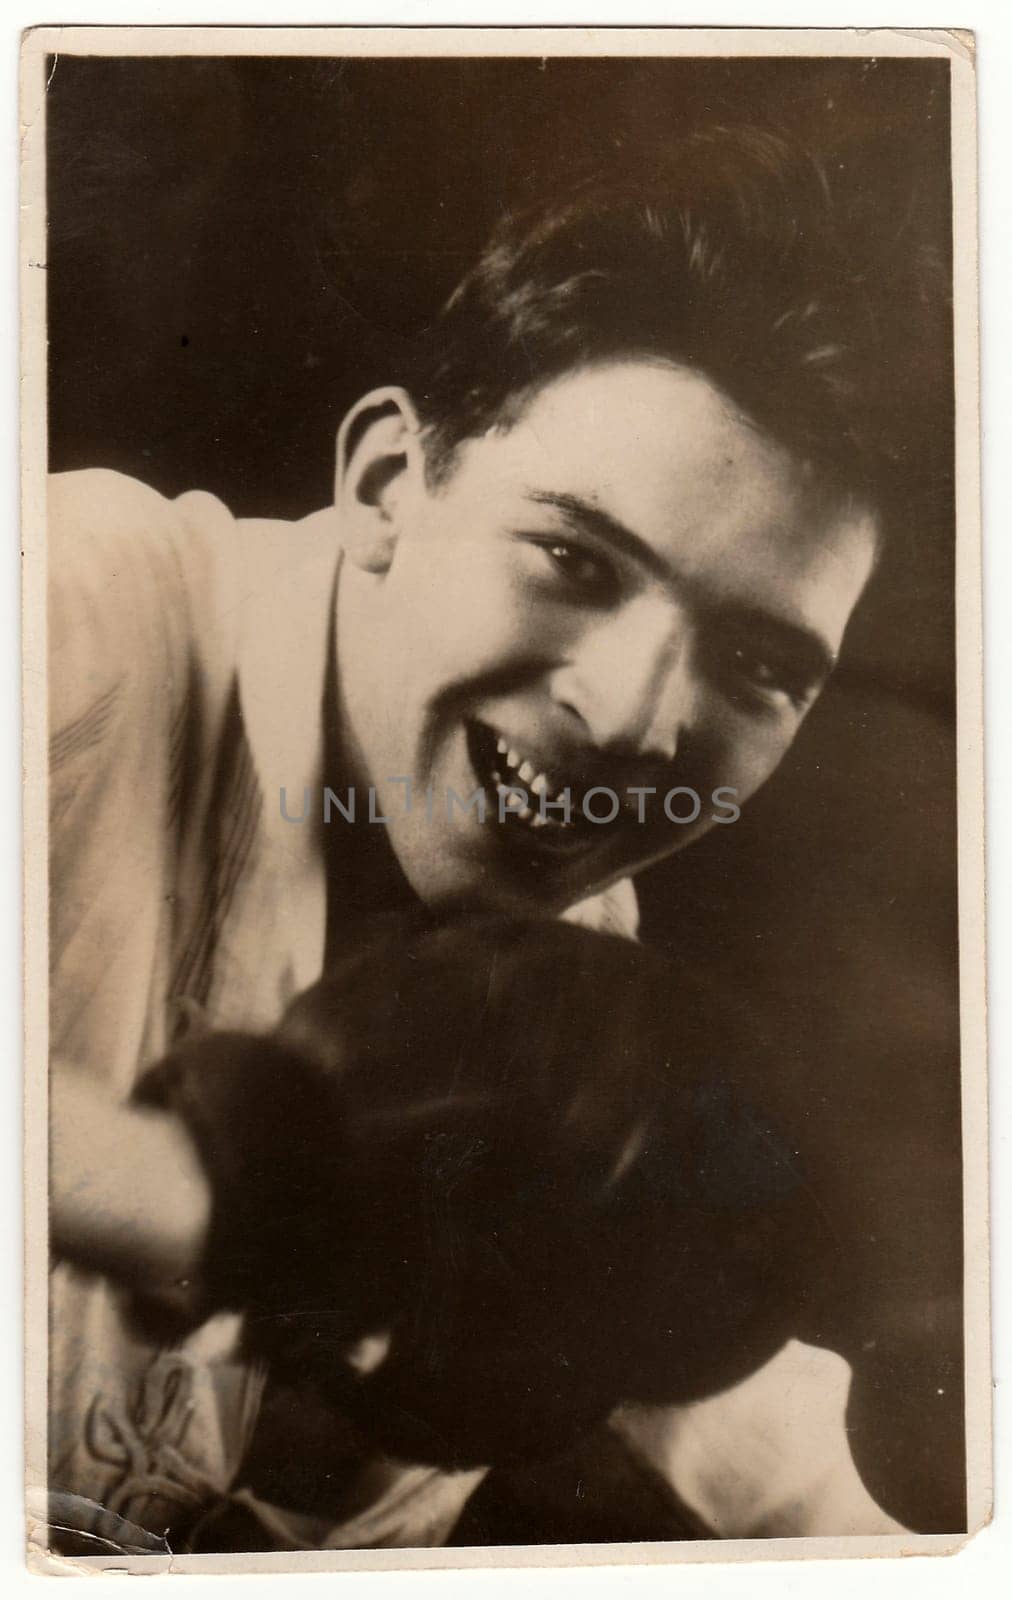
768	678
580	567
756	669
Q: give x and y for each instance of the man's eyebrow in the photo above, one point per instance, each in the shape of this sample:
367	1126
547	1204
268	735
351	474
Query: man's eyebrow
809	646
811	651
583	514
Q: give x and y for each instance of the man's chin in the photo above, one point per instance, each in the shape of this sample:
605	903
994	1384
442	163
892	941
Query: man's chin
496	867
490	892
492	888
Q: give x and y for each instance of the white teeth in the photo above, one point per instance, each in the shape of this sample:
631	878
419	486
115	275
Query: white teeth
521	770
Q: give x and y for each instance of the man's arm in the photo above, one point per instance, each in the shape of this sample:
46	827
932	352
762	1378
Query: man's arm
768	1458
129	1197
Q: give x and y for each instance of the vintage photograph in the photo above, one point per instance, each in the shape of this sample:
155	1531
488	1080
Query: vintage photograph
506	1023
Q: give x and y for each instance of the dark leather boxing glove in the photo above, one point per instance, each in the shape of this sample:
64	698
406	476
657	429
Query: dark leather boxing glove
267	1127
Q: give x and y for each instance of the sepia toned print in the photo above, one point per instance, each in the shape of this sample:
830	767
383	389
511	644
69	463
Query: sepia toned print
512	1047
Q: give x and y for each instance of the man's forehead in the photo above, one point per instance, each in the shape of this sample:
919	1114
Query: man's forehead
656	462
660	441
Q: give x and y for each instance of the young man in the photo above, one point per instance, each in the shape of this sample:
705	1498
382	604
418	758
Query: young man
606	537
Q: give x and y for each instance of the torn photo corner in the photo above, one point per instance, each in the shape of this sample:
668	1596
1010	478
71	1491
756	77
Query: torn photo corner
505	1032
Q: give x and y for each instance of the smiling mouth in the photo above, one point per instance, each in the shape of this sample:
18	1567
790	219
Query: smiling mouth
551	819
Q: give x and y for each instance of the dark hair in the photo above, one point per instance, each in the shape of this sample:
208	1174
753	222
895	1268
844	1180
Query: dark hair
728	255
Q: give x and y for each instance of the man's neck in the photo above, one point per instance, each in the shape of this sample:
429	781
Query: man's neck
364	878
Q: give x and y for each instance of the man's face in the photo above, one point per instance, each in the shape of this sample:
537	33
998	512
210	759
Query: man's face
629	588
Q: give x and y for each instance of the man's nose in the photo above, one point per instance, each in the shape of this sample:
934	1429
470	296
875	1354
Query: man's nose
627	680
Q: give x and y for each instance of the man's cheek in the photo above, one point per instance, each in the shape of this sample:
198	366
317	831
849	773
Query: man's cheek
476	640
748	765
732	747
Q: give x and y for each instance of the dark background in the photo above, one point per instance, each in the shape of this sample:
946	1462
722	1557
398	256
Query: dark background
238	248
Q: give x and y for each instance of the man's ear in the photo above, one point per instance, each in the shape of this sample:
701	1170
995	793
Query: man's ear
380	473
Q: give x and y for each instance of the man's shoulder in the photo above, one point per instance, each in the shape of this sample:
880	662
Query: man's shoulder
125	561
97	513
141	603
